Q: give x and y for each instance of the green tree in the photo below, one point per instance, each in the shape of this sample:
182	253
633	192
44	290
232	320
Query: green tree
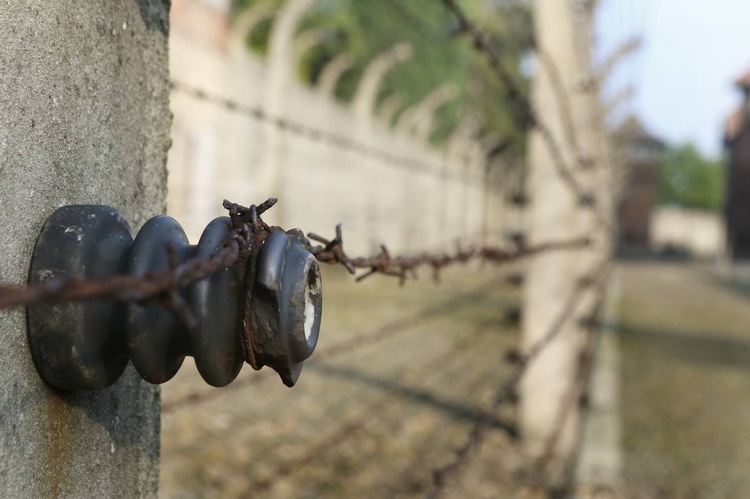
364	28
691	180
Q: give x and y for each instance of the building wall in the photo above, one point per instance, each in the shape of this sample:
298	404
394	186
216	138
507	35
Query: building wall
637	205
218	153
738	194
699	233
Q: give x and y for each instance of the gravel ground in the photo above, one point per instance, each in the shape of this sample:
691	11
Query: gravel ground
372	421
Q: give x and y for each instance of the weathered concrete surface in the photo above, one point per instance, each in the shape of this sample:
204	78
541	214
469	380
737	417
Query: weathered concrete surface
553	303
600	461
84	118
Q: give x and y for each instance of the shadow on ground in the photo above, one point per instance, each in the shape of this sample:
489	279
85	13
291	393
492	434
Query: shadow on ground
684	335
456	409
705	348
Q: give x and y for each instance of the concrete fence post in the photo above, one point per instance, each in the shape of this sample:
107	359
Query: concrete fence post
332	73
421	122
248	21
364	100
555	214
307	40
84	118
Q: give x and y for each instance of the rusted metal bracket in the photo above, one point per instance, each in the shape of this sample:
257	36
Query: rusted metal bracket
266	311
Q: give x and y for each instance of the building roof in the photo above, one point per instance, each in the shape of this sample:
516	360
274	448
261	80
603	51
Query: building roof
631	129
735	122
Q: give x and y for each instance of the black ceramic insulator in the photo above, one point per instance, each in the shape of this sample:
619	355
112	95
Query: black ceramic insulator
286	297
81	344
157	341
87	345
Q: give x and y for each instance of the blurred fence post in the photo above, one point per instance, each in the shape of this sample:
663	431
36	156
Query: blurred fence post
332	72
555	213
84	118
281	69
364	100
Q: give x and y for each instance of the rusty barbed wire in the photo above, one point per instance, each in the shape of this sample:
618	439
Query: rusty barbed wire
404	267
508	392
331	251
247	233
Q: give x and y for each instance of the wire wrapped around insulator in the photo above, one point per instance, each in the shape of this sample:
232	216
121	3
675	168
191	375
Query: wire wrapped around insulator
268	316
157	340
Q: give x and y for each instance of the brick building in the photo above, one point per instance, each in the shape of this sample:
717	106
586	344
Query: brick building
737	205
640	152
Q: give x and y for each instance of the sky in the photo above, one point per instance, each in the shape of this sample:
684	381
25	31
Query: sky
693	51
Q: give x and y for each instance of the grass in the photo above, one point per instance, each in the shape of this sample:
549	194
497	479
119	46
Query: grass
685	349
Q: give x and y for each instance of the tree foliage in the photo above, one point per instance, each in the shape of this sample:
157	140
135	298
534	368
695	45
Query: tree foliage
691	180
365	28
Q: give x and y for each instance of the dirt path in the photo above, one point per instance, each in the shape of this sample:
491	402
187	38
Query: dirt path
685	350
369	421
